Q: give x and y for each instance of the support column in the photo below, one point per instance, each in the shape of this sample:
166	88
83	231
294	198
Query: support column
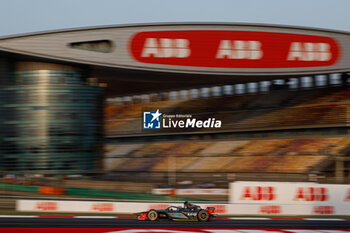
327	79
339	170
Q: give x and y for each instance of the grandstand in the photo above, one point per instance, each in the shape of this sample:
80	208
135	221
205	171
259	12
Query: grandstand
253	158
292	108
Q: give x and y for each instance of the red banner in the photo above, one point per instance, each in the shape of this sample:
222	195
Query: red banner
234	49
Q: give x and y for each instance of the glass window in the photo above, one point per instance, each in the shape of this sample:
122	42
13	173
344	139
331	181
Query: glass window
306	82
335	79
184	94
293	83
278	82
252	87
321	80
216	91
228	90
173	95
102	46
194	93
205	92
240	88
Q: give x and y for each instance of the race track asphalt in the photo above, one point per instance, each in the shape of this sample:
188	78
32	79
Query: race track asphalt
133	223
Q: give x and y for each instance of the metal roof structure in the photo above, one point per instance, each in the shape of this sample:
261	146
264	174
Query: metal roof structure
135	59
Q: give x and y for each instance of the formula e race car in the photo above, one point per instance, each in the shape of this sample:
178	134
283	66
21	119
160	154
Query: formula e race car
188	212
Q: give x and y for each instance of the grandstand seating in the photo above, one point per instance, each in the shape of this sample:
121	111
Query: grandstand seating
209	164
310	146
110	164
295	163
138	164
294	116
173	164
271	155
133	110
121	150
187	148
278	108
222	148
262	147
340	96
153	149
251	164
339	146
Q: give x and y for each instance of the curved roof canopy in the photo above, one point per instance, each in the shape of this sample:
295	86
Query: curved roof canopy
168	56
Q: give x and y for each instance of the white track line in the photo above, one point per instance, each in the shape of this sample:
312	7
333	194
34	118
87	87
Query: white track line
325	219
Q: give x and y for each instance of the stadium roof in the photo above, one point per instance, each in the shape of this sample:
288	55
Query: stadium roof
135	59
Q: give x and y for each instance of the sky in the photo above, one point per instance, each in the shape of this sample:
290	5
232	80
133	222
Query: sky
25	16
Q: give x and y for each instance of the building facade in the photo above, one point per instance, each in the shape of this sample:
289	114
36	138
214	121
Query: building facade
51	120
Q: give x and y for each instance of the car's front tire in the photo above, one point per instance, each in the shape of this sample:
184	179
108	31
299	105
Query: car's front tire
152	215
203	216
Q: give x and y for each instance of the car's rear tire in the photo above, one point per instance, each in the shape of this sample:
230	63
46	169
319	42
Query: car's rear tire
152	215
203	216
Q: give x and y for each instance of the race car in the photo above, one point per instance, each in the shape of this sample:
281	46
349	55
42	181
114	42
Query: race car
188	212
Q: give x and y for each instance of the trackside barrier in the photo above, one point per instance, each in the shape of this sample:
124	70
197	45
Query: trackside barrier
221	209
289	193
31	188
51	190
19	187
88	193
119	195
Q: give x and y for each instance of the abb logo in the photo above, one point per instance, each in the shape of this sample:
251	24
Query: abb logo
166	48
311	194
259	193
323	210
233	49
239	49
108	207
46	205
270	209
309	51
